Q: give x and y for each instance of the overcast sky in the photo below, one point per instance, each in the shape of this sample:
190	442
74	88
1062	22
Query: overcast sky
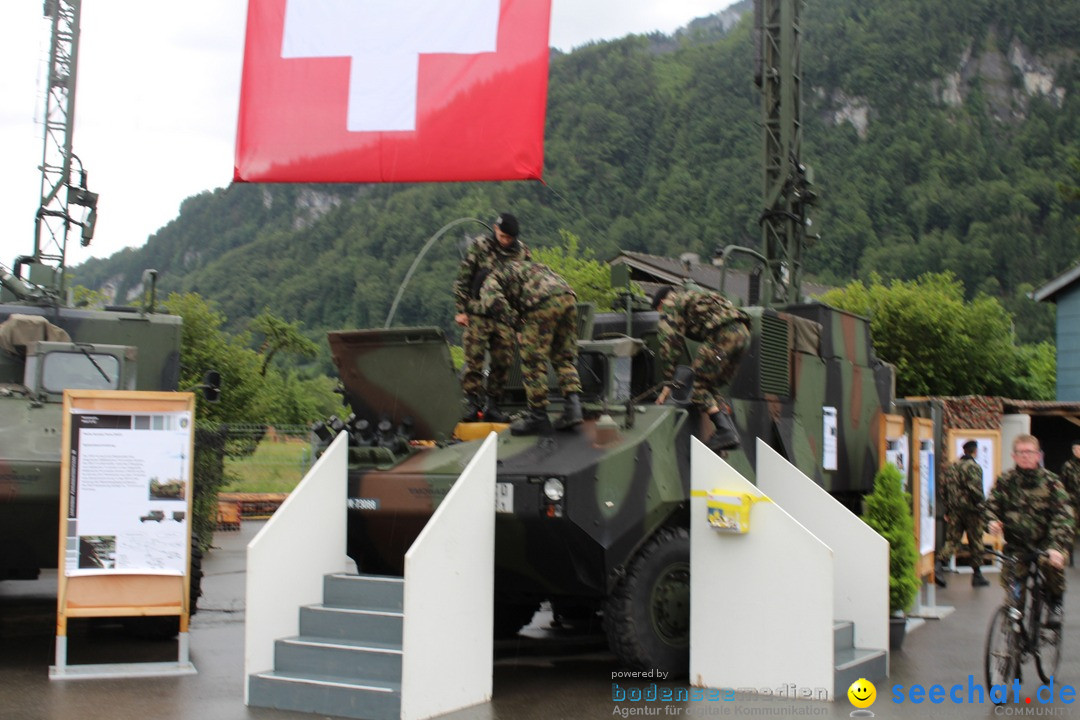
157	98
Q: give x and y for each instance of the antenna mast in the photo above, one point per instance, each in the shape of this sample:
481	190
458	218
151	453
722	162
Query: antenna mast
58	192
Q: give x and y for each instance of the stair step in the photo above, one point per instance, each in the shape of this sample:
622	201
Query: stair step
341	658
380	626
326	695
843	635
370	592
854	663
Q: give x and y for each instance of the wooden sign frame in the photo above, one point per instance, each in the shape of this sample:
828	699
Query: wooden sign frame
121	594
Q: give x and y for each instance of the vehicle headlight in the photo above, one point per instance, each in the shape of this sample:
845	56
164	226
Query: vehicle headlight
553	489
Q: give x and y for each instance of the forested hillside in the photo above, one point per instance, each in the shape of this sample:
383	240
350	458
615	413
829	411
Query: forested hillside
939	133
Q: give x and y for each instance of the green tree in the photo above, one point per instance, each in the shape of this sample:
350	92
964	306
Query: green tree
590	278
939	343
280	335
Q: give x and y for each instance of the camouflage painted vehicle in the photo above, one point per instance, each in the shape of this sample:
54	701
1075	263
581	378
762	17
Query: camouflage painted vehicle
596	521
45	348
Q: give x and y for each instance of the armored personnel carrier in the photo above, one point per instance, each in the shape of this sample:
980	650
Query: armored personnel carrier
596	520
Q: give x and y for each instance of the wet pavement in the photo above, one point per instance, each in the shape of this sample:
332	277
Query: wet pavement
541	674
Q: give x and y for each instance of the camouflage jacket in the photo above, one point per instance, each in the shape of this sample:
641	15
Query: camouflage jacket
1070	478
484	253
515	288
962	488
1034	508
698	315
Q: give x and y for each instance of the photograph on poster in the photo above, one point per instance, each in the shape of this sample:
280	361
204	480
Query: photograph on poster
896	452
129	472
926	497
985	454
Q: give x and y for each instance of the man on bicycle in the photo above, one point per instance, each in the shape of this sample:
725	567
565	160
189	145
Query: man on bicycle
1030	505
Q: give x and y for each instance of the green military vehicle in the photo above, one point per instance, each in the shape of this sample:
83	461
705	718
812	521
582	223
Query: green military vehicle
596	520
46	347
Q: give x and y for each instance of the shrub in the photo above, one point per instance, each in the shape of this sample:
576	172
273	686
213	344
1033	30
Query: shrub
888	511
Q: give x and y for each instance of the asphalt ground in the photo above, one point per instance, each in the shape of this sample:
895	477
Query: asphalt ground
544	673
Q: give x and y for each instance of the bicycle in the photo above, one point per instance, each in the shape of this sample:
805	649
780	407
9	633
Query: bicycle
1018	629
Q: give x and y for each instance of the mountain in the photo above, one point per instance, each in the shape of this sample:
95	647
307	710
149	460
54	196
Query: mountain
939	135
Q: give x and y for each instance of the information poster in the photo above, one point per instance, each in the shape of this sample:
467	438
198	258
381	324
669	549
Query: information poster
829	446
984	456
896	453
926	499
129	493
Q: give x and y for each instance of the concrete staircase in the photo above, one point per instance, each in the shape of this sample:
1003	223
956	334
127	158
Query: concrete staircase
852	663
346	661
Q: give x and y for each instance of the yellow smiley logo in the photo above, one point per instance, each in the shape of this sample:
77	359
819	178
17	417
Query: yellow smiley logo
862	693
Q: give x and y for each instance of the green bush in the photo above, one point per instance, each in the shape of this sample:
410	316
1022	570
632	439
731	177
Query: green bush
888	511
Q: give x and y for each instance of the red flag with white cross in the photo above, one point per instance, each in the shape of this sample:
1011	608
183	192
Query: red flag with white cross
393	90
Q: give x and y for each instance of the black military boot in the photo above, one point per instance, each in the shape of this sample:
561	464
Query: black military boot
1053	612
534	422
726	436
977	580
492	413
472	408
571	414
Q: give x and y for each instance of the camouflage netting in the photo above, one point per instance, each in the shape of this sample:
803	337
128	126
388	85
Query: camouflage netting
971	412
209	477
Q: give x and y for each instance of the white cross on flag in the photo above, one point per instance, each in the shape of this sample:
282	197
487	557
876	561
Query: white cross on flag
393	90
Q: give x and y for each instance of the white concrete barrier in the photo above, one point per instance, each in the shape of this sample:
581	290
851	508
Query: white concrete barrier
860	555
286	561
449	598
761	603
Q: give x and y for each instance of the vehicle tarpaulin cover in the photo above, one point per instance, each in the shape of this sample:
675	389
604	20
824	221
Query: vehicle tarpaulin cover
393	90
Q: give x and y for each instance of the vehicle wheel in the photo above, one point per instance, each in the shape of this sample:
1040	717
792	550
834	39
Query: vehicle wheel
1048	652
1001	662
647	616
510	617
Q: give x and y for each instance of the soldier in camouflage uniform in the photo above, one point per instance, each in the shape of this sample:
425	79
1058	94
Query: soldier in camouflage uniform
723	331
1031	506
962	502
543	307
1070	478
484	333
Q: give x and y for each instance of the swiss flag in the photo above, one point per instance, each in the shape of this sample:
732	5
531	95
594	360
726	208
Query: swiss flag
393	90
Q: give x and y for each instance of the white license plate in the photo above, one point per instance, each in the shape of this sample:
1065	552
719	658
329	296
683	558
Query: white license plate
504	497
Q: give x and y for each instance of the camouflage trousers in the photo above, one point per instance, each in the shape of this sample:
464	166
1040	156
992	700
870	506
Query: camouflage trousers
716	361
1055	579
959	523
485	334
549	333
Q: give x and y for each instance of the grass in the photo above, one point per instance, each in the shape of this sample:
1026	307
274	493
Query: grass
275	466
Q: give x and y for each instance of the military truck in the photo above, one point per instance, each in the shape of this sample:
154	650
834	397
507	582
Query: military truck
46	347
596	520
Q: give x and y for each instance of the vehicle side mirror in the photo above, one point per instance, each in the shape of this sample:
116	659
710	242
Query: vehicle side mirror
211	386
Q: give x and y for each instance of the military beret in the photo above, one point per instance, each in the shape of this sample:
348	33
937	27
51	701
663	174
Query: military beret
970	445
508	224
658	296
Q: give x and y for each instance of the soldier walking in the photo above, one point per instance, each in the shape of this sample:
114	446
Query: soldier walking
962	502
1070	478
723	331
1030	507
484	334
539	303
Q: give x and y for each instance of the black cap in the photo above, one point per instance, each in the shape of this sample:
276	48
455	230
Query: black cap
970	446
508	224
658	296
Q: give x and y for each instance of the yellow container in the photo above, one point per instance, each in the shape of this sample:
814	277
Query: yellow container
729	512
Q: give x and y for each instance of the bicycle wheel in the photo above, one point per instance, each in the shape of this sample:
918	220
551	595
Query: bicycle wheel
1047	645
1002	651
